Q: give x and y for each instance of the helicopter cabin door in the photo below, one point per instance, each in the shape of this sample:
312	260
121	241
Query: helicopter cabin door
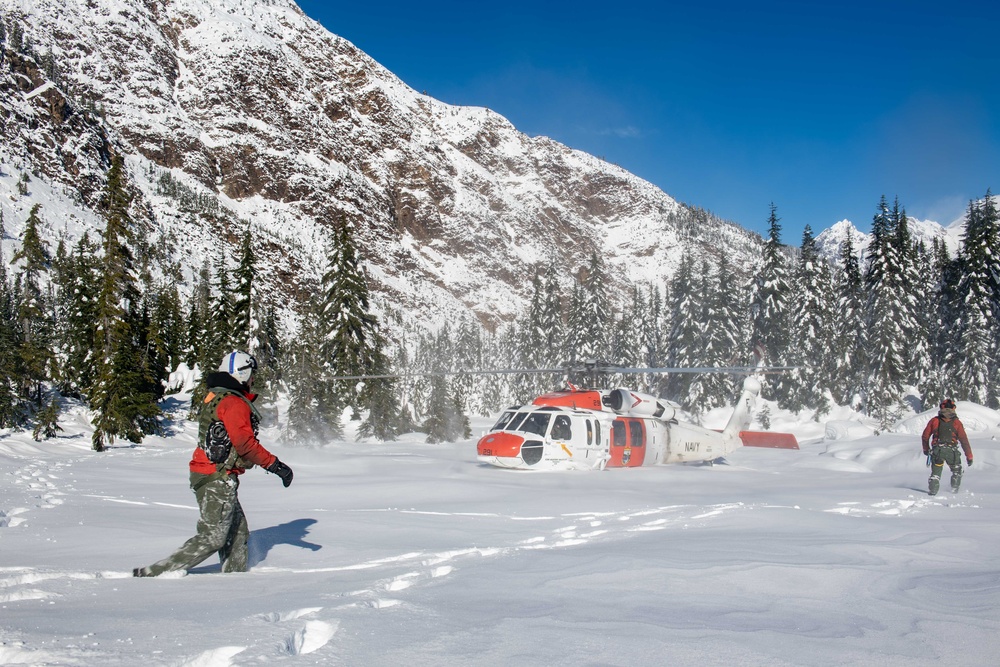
628	443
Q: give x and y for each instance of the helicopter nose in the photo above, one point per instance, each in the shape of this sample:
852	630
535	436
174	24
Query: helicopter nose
499	444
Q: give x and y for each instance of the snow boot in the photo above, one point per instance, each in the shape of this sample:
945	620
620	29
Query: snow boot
933	484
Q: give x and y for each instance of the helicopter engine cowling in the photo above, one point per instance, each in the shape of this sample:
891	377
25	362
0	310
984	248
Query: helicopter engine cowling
633	403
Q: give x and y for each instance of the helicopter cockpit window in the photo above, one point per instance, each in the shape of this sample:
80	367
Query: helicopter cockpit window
535	422
503	421
561	429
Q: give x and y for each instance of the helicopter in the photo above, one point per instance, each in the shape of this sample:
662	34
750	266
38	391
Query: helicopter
578	428
590	429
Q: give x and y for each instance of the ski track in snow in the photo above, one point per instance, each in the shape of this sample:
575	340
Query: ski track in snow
309	629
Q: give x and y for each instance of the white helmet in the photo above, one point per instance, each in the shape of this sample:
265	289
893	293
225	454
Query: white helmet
240	365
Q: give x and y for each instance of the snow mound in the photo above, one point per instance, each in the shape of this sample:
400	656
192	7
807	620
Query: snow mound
976	419
846	429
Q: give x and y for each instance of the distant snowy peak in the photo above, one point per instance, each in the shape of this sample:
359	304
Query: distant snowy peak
830	241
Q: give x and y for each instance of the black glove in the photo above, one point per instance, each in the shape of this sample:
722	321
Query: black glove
282	471
969	461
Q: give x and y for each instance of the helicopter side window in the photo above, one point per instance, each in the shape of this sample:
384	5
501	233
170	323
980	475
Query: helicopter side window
590	433
504	420
535	422
618	438
635	433
561	429
597	432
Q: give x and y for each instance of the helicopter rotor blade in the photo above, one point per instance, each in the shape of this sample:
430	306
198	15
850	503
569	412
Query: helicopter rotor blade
585	368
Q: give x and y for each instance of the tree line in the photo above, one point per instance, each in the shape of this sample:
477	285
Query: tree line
88	321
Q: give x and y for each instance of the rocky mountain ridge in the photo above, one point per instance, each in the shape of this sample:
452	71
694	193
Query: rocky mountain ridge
247	112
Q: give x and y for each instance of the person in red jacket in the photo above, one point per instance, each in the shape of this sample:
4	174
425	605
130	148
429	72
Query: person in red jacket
227	447
940	440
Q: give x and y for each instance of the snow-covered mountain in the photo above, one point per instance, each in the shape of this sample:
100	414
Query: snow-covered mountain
235	112
830	240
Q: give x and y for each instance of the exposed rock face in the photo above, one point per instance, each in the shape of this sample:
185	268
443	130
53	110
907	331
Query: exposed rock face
251	104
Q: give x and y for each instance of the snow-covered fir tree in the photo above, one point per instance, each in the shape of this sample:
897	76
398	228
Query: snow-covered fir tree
685	337
33	311
810	330
76	279
353	343
975	334
224	336
445	421
594	316
886	331
769	307
11	410
654	345
246	316
198	320
314	405
911	291
723	335
849	341
123	399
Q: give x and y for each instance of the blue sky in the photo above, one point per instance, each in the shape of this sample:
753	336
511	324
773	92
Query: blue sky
820	107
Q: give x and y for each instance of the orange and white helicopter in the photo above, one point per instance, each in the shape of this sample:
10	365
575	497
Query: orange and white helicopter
618	428
612	428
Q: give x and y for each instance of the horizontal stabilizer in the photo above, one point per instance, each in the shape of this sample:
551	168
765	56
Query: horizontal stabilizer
769	439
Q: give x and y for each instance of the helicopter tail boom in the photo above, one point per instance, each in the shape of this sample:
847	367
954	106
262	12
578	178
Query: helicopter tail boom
742	414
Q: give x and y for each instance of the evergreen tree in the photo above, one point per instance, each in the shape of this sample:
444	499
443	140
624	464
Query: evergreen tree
686	332
353	343
33	314
910	294
769	306
927	294
224	336
445	421
575	315
47	422
942	289
77	282
551	319
886	338
976	332
597	316
11	409
724	343
245	316
654	345
811	335
313	410
166	331
269	354
198	322
121	401
849	344
533	352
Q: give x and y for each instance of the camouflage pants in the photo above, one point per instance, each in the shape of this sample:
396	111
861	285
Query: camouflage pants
222	529
939	456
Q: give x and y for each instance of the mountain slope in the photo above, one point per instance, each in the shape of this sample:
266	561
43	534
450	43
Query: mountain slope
234	112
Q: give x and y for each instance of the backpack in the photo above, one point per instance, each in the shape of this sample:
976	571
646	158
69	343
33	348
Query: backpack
946	435
213	438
